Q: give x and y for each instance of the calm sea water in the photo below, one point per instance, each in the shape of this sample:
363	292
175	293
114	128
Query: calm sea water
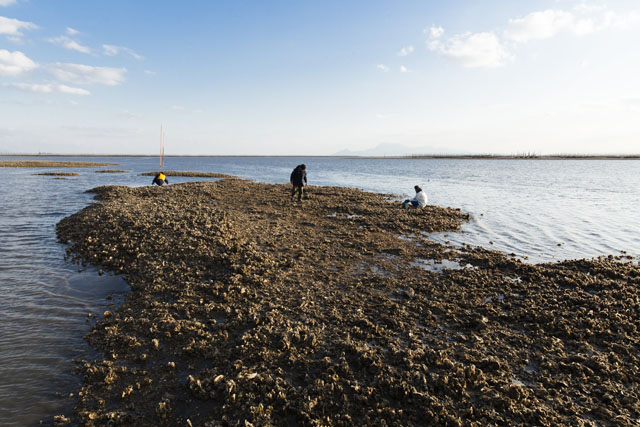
543	210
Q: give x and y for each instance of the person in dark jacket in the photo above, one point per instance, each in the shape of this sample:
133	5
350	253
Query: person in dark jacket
298	180
160	179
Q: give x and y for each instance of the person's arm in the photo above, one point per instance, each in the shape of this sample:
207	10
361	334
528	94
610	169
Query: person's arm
305	178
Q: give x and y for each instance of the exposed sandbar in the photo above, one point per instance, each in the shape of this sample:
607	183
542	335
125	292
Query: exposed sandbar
190	173
58	174
111	171
247	307
49	164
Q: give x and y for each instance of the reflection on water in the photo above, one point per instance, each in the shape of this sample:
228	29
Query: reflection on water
543	210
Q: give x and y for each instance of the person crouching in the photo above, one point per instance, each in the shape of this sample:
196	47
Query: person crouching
160	179
418	201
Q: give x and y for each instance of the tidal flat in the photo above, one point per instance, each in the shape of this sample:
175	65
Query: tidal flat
49	164
249	308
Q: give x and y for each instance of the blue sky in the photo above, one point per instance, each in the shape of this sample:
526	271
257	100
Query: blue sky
318	77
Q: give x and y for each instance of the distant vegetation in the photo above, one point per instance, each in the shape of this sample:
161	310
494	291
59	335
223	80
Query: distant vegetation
530	156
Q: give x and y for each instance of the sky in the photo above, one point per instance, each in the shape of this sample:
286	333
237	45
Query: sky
305	77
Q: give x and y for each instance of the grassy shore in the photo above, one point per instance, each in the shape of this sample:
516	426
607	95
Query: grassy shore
249	308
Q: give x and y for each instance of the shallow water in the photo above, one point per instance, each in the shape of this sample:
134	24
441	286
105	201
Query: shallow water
543	210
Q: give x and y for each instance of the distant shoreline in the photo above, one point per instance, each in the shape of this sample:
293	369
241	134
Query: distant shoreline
411	157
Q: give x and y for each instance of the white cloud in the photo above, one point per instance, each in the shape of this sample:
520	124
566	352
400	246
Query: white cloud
403	69
112	50
436	32
549	23
69	44
539	25
149	72
382	67
589	8
71	31
177	107
4	3
87	74
407	50
622	22
15	63
479	50
47	88
14	27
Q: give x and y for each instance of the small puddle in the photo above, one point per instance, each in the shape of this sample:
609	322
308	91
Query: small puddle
439	266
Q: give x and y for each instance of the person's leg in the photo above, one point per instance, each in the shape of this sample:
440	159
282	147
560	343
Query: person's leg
414	203
293	191
301	195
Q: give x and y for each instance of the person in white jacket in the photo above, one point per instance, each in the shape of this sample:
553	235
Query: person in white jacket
419	201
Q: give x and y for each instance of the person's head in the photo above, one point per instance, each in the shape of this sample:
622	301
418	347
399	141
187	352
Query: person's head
417	188
303	166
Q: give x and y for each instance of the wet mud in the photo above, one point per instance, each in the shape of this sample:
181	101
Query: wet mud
250	309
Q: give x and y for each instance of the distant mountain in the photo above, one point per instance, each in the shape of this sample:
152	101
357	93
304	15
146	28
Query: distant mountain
394	150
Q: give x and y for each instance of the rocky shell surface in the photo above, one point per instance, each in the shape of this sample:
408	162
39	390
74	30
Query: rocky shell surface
189	173
250	309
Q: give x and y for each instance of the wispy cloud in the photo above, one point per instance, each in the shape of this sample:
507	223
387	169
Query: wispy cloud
14	27
87	74
177	107
382	68
69	44
15	63
47	88
472	50
112	50
436	32
71	31
4	3
149	72
126	114
407	50
404	69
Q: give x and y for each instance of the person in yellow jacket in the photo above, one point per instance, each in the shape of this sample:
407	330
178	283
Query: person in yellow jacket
160	179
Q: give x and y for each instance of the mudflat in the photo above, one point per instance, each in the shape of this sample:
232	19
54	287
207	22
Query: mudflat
49	164
250	309
58	174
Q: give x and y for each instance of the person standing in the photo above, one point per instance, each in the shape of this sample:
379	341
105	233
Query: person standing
298	180
418	201
160	179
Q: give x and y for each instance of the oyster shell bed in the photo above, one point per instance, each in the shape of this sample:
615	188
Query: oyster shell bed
111	171
249	309
190	173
